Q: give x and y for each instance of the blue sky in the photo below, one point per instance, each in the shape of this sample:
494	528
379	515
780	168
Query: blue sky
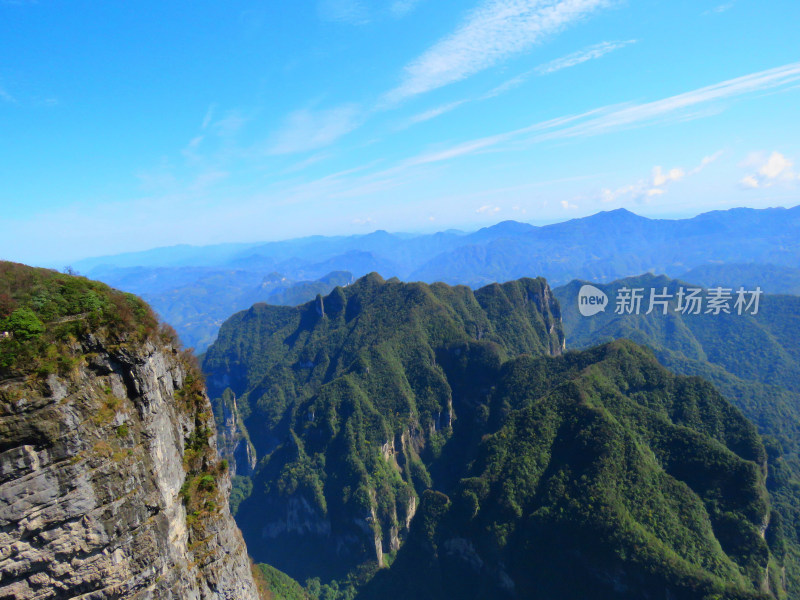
125	126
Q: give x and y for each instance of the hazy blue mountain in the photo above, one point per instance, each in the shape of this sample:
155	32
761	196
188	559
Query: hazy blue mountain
195	288
618	243
196	300
773	279
601	247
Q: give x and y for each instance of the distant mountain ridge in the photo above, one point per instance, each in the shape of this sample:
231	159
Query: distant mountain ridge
587	248
196	288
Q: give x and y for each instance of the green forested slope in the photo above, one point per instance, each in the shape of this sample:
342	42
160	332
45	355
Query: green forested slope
607	477
752	359
590	475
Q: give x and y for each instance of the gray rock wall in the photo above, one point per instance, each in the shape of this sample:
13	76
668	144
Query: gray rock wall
92	466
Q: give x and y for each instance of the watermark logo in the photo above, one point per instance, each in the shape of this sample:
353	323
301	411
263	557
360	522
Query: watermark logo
591	300
687	301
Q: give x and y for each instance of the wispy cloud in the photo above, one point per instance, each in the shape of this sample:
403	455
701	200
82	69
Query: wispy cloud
401	8
677	106
208	116
707	160
581	56
4	95
719	9
689	105
353	12
507	86
496	30
433	113
229	125
309	130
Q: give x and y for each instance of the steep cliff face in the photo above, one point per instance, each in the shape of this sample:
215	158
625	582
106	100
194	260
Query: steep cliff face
347	401
110	486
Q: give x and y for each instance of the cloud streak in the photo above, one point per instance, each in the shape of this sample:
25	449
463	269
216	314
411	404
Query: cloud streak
581	56
434	112
607	119
496	30
678	106
309	130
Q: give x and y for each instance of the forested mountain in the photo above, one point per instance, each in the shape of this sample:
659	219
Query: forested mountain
773	279
754	360
528	473
196	288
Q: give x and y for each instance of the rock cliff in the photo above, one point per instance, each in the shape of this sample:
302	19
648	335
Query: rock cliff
110	485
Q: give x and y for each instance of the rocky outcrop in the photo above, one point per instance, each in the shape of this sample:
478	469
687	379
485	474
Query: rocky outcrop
109	482
234	443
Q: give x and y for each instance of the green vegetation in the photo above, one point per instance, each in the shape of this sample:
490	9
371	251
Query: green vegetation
276	585
45	312
594	474
607	477
352	388
753	360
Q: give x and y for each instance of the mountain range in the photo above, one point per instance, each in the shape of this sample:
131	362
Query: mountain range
196	288
409	440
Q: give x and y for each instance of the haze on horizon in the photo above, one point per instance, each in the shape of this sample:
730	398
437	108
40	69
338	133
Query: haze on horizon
125	127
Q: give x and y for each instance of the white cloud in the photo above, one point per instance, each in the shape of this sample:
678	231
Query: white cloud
660	178
719	9
675	106
749	182
307	130
496	30
576	58
363	221
770	170
487	209
776	165
645	190
506	86
567	206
